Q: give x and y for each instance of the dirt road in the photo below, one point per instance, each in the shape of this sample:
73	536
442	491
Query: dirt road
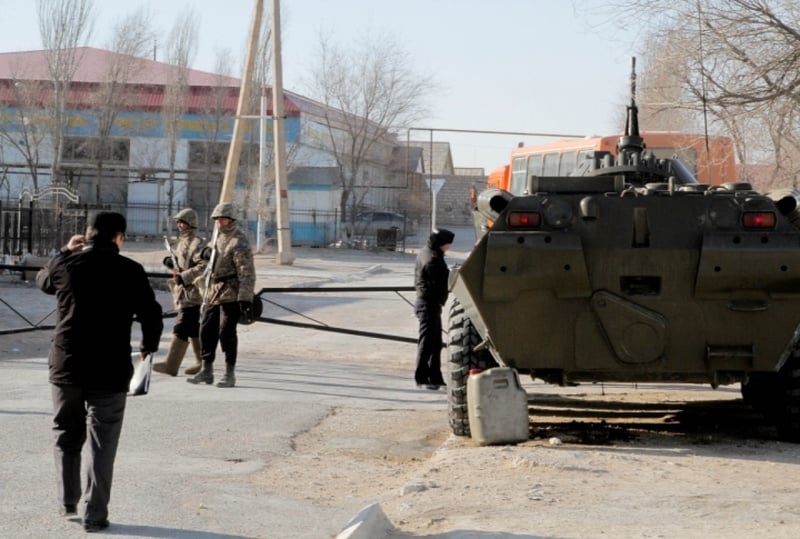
612	460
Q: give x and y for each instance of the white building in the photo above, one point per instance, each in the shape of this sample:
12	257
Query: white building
117	142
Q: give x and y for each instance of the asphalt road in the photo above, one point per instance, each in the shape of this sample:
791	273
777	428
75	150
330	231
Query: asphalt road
188	453
322	424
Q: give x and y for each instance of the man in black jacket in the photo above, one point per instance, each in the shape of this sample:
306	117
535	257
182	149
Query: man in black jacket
430	280
99	292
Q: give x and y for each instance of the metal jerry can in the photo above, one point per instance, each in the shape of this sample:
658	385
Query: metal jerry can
497	407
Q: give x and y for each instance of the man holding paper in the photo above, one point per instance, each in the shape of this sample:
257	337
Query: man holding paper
99	292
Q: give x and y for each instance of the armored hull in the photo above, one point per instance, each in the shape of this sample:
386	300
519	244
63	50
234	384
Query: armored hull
606	278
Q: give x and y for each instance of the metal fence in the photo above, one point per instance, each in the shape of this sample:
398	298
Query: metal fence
40	230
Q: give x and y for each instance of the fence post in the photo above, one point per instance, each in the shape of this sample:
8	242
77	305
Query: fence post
30	227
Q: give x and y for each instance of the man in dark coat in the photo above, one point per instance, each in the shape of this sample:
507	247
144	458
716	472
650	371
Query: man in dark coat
99	292
430	280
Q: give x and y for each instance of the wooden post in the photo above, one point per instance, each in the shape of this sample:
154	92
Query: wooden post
285	256
235	150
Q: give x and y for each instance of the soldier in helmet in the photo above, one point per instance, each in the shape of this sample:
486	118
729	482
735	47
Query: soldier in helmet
186	295
229	296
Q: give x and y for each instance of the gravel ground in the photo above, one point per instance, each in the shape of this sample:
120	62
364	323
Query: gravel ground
610	460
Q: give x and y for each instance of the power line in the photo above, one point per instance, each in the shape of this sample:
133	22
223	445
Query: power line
490	132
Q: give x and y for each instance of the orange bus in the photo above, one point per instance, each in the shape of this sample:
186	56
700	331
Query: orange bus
713	165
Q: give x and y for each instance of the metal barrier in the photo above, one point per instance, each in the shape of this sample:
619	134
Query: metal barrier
312	324
316	324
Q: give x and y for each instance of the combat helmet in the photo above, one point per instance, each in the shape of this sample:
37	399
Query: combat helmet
188	216
224	209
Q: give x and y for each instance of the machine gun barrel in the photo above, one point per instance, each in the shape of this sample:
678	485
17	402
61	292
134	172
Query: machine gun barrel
631	141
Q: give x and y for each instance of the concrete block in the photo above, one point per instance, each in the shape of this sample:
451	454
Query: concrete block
370	523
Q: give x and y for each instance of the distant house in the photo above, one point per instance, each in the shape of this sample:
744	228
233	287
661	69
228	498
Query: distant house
453	200
117	146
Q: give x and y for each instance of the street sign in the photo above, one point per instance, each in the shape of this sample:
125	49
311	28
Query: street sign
435	184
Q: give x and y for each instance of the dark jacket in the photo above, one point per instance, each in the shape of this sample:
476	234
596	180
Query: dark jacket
99	292
431	271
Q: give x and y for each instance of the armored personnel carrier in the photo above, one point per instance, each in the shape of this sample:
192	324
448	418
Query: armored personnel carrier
628	270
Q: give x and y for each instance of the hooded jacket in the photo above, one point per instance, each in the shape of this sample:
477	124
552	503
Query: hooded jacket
431	271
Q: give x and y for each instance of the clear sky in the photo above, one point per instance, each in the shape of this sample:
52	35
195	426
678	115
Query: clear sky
534	66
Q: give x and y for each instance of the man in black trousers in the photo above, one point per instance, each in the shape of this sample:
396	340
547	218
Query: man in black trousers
430	280
99	292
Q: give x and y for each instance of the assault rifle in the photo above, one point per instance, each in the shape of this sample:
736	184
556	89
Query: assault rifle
172	255
209	271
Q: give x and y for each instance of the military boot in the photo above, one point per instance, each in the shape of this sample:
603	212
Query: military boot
228	379
205	376
198	357
177	348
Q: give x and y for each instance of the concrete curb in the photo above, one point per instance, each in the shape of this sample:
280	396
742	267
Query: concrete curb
370	523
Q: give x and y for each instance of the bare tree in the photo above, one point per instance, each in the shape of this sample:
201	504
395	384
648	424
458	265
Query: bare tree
26	130
369	91
214	121
257	180
130	41
181	48
661	97
737	64
63	26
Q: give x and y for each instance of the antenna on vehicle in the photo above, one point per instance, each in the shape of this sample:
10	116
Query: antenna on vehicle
703	83
631	141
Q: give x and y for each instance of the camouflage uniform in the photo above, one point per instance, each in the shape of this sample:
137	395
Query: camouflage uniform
229	295
186	295
187	251
234	275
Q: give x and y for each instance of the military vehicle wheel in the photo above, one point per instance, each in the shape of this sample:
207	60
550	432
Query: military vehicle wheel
462	338
763	392
788	421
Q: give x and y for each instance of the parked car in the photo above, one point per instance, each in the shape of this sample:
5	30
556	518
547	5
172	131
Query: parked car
367	224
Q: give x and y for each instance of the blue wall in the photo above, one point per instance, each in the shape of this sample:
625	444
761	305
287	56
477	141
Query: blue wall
147	124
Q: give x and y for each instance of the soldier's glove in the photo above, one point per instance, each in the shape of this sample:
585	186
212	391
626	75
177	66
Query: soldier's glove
168	262
245	312
205	253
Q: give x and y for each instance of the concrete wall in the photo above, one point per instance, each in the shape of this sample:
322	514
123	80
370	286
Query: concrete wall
453	203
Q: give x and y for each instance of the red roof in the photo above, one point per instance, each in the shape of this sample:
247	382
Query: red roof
93	66
146	84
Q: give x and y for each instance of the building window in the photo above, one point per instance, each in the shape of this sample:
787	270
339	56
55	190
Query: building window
202	154
215	154
93	149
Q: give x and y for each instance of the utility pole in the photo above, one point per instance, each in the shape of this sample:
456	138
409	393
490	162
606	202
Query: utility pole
262	143
285	256
235	150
